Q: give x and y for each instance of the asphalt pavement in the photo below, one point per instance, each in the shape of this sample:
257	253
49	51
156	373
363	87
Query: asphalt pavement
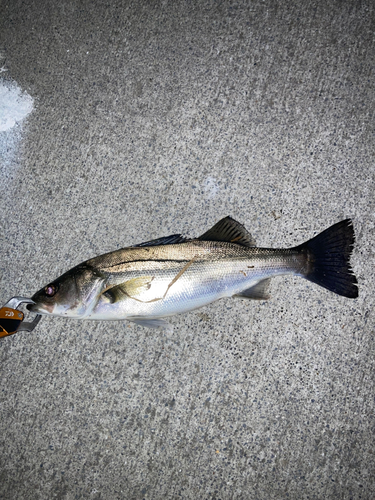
151	118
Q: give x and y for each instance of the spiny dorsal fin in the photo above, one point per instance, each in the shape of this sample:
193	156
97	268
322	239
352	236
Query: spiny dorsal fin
165	240
256	292
230	230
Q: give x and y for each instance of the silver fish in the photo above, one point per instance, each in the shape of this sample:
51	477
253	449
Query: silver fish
172	275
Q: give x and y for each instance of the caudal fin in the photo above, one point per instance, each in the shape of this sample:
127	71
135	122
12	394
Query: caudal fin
328	255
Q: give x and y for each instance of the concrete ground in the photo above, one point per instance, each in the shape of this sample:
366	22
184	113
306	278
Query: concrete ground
152	118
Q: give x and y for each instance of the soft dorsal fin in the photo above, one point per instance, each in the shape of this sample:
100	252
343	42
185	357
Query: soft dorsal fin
165	240
230	230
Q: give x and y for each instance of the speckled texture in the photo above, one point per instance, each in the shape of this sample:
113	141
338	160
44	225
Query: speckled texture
153	118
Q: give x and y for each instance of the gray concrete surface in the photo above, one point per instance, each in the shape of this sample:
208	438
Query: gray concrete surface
153	118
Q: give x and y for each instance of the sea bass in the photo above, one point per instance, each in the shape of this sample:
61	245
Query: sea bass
148	282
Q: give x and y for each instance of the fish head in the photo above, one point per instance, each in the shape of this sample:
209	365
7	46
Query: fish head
72	295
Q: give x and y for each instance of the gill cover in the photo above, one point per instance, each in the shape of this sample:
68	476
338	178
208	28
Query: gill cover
72	294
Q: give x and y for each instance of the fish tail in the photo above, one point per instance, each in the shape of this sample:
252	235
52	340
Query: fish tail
328	257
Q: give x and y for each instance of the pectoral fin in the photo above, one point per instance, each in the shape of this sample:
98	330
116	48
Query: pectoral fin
130	288
152	323
256	292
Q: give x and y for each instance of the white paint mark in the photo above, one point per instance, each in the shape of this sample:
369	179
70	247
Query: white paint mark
211	187
15	105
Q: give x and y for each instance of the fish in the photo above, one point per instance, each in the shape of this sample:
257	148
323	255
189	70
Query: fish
151	281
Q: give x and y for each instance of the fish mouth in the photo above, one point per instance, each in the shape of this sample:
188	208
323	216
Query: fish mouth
40	309
36	309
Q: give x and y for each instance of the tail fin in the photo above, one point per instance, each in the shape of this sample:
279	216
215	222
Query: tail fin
329	259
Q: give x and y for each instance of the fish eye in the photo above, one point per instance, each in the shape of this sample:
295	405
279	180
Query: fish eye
50	290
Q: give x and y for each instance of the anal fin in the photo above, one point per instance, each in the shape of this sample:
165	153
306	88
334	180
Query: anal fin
256	292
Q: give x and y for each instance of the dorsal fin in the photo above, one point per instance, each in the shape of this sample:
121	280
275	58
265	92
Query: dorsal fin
230	230
165	240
